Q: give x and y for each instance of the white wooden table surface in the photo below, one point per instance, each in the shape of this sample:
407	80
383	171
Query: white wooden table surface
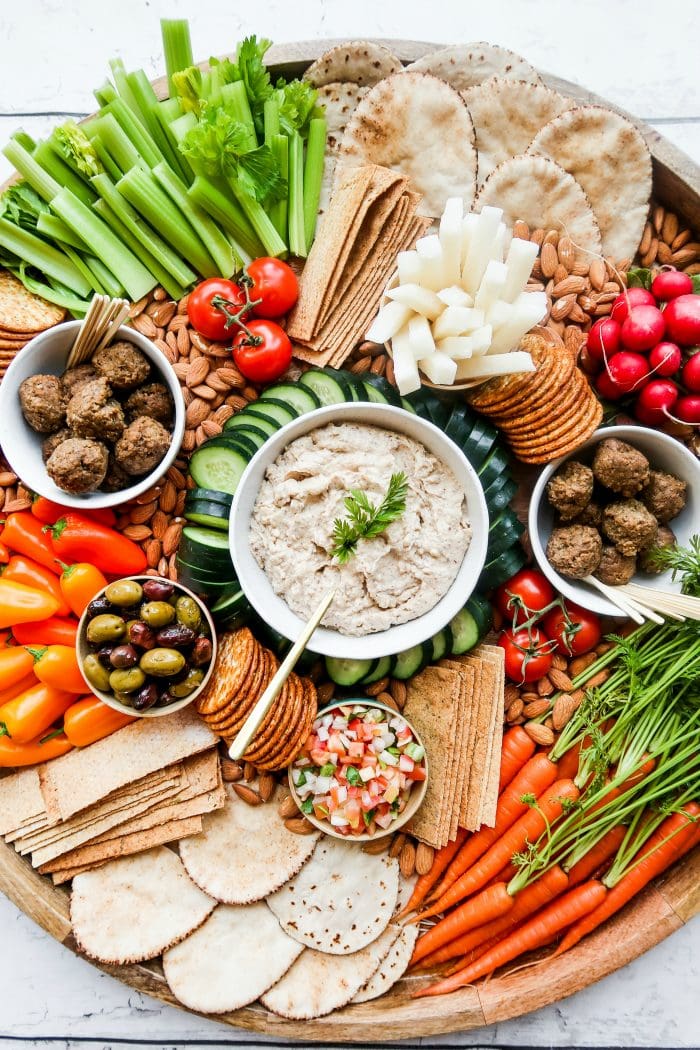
641	54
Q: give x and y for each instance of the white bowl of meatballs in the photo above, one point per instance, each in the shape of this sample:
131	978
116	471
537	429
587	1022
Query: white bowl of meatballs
604	509
96	435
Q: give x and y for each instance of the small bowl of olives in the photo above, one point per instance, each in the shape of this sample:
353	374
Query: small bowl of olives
146	646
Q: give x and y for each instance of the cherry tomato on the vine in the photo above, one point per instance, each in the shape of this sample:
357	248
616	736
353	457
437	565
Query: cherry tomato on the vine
209	320
527	656
532	588
275	284
578	636
267	360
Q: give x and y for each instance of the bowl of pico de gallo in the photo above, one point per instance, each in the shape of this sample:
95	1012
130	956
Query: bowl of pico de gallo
362	772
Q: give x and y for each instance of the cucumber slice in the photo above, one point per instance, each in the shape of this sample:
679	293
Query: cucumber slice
207	548
496	463
381	669
505	532
502	568
435	412
253	422
329	389
460	432
202	512
269	408
232	603
356	390
481	610
380	390
411	661
499	493
236	439
217	467
478	445
345	671
465	632
209	496
440	645
407	406
204	575
298	397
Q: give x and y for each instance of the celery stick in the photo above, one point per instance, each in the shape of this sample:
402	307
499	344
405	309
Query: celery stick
39	179
108	161
117	143
121	83
25	140
136	132
172	287
105	276
147	102
227	213
51	261
104	244
154	245
143	193
105	93
297	236
53	227
215	85
171	108
216	243
313	175
279	210
52	162
177	47
271	119
260	220
83	268
54	292
235	101
165	112
182	124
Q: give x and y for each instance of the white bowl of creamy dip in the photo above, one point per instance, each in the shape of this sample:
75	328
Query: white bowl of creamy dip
398	587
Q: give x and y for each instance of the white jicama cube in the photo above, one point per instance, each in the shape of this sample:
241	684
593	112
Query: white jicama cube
479	253
439	368
492	285
461	347
455	296
488	365
527	310
468	227
388	321
422	300
405	368
409	267
519	262
420	337
451	238
499	243
433	273
457	320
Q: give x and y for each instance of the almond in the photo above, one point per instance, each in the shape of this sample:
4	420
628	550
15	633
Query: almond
7	478
145	326
564	707
397	844
562	308
139	515
539	733
521	230
217	383
376	846
388	700
683	237
266	786
231	771
211	429
511	693
548	260
597	274
425	855
197	371
248	771
684	256
246	794
167	498
664	255
204	391
153	550
598	679
552	237
566	253
299	826
375	688
559	661
288	807
407	859
197	412
325	693
536	708
514	710
134	532
560	680
398	690
164	313
544	686
580	663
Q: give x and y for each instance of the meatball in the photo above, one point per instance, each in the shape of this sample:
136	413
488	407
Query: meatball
629	525
151	400
142	445
75	377
93	413
53	441
592	514
116	478
570	489
122	365
575	550
615	568
620	467
78	465
663	495
43	403
664	538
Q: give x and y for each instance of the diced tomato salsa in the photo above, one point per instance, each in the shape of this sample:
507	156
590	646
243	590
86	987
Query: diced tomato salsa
357	768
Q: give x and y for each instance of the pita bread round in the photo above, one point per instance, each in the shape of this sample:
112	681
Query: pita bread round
608	157
507	114
543	195
244	852
392	968
406	888
465	65
341	101
318	983
134	908
361	62
341	900
420	126
231	960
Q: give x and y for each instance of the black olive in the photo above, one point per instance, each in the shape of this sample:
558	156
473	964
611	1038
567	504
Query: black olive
175	634
164	698
104	654
98	606
158	590
201	652
146	697
124	656
142	635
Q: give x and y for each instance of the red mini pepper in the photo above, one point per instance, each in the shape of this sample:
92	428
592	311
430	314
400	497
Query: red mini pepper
24	534
52	631
32	574
4	554
49	512
76	538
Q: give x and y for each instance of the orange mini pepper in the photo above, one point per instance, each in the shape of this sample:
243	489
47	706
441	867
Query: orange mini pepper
88	720
32	574
57	665
31	713
22	604
54	631
15	664
19	687
79	584
13	754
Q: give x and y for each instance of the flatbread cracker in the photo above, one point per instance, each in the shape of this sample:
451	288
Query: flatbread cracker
235	956
544	196
392	968
340	901
361	62
465	65
606	153
134	908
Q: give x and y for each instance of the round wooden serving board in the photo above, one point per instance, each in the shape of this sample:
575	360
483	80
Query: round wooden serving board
663	908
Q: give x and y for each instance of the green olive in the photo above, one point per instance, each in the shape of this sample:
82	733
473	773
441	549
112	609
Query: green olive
96	673
124	592
157	614
162	662
127	681
188	613
105	628
124	698
187	685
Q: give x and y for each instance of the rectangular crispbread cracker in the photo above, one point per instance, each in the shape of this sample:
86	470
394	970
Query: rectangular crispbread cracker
462	737
21	800
490	798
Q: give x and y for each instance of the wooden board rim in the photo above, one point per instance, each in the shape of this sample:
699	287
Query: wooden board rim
663	908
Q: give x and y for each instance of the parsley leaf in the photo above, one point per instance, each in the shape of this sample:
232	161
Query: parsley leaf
365	521
352	776
297	104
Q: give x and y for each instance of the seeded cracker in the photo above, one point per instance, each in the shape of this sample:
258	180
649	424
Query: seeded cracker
22	312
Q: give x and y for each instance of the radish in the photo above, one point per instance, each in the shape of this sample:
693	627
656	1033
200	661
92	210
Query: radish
603	339
682	316
665	359
691	374
632	297
655	401
669	284
627	370
643	328
687	409
607	387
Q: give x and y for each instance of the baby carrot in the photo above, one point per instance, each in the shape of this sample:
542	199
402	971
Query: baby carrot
490	904
517	749
441	860
597	856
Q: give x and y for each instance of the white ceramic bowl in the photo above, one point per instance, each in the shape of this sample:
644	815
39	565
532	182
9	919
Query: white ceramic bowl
275	611
47	355
664	453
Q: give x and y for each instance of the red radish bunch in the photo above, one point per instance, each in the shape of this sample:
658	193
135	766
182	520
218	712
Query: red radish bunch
649	349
